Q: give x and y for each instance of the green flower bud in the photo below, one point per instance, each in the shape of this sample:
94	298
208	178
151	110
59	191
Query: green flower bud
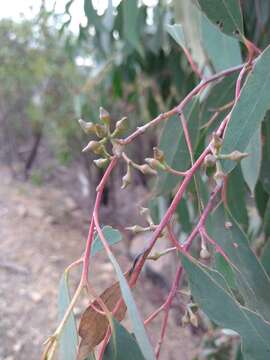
92	146
237	155
155	164
146	169
120	127
104	116
158	154
193	319
100	131
127	179
88	127
101	163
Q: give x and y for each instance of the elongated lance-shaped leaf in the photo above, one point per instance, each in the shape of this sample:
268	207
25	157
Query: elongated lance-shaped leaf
226	14
251	165
69	337
177	33
131	19
137	323
122	345
249	110
252	281
211	292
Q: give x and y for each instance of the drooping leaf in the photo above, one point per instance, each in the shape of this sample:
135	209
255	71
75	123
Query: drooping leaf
249	110
93	325
222	50
226	14
173	144
130	23
261	199
252	280
92	16
122	345
177	33
213	295
266	220
251	165
69	337
137	323
265	258
265	167
223	267
236	197
189	16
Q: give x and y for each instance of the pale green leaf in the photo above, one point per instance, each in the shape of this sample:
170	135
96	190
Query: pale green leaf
226	14
252	164
213	295
177	33
69	336
252	280
137	322
122	345
249	110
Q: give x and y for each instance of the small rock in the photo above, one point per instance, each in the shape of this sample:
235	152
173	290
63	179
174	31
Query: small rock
35	296
51	220
18	346
22	211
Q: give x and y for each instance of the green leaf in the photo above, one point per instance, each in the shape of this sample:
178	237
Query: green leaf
137	323
266	220
265	167
226	14
261	198
215	298
122	345
183	216
92	16
252	280
236	197
251	165
249	110
173	144
222	50
177	33
189	16
69	336
265	258
130	23
113	236
223	267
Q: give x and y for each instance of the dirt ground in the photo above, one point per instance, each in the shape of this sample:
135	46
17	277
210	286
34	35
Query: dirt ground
42	231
